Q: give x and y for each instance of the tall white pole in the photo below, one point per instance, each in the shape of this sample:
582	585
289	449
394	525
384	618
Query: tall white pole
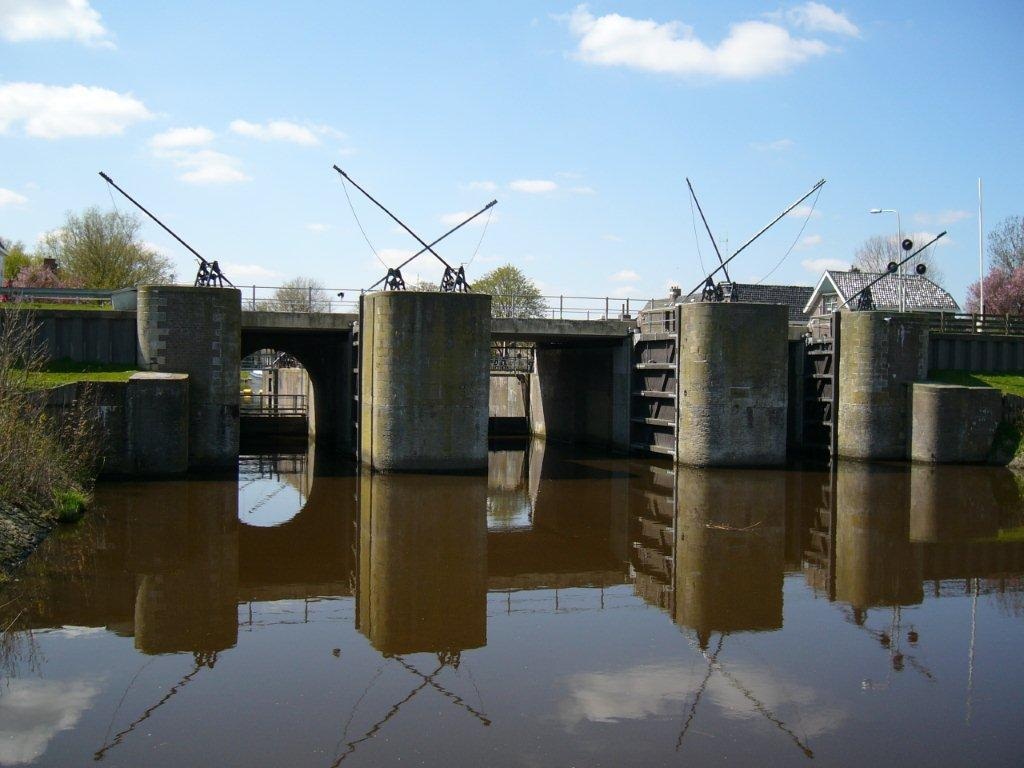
981	253
899	254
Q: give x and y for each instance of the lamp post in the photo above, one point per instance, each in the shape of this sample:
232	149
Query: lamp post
899	239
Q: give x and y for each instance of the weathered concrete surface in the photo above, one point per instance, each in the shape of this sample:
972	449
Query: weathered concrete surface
423	567
547	329
197	331
158	423
880	354
875	563
581	394
90	336
296	381
733	395
143	422
730	550
424	381
299	321
508	407
952	424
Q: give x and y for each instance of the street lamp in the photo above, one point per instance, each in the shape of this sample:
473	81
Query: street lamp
899	239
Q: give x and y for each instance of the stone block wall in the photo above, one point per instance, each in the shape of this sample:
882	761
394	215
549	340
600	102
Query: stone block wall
197	331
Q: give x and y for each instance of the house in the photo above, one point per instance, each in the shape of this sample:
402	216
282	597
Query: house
836	287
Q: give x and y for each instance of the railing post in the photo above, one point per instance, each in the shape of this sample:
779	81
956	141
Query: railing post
606	308
561	307
254	298
627	306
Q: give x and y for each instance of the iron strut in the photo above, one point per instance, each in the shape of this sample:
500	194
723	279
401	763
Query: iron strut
209	273
708	277
453	280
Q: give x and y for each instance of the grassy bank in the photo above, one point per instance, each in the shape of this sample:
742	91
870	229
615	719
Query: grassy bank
1010	383
47	465
61	372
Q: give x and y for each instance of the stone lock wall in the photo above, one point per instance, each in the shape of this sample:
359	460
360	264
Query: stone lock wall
733	396
197	331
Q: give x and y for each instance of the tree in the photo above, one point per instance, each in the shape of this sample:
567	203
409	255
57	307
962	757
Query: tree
875	253
301	294
103	250
513	294
1004	292
38	275
423	285
15	258
1006	246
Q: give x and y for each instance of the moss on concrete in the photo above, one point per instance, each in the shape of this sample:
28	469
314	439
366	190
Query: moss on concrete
60	372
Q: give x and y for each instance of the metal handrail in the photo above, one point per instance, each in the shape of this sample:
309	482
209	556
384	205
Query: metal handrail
272	404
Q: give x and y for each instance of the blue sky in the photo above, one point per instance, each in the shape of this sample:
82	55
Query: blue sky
583	121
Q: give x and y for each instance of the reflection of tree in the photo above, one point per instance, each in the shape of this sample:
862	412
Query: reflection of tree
1009	594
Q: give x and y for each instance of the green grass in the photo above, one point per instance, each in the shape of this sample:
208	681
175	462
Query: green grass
67	372
70	506
1010	383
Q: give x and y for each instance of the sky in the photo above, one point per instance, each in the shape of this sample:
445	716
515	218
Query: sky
583	121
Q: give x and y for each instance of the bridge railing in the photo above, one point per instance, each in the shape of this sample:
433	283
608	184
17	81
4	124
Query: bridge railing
346	300
272	404
962	322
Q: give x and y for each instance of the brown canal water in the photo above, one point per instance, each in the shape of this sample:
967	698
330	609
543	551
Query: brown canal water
566	609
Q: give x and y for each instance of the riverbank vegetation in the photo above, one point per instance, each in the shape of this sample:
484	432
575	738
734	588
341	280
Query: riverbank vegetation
47	464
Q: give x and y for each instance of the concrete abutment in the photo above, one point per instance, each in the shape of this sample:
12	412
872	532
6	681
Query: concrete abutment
197	331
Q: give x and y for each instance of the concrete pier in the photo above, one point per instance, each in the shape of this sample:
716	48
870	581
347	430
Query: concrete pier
880	354
197	331
732	384
424	381
952	424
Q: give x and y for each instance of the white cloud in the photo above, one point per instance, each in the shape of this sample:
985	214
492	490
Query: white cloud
820	265
809	241
32	712
779	145
751	49
942	218
10	197
395	256
482	186
816	17
803	211
24	20
660	690
612	238
204	166
317	227
452	219
56	111
176	138
250	271
624	276
533	186
584	190
284	130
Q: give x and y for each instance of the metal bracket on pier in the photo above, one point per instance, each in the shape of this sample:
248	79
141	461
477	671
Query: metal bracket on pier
209	274
393	281
454	281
